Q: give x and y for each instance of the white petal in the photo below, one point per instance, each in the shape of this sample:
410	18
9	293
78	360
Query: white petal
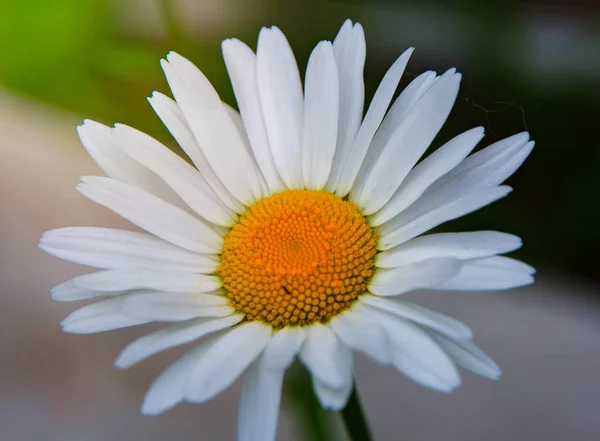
105	315
416	354
349	48
490	273
459	245
170	387
280	91
421	316
467	355
101	143
334	398
226	360
116	282
152	214
381	175
381	100
241	65
186	181
430	211
236	118
174	307
261	387
128	279
425	274
170	337
404	104
486	168
258	409
321	106
67	292
325	356
283	347
428	171
399	110
507	263
172	117
213	129
362	333
109	248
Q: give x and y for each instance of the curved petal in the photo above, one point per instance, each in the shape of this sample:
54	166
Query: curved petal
334	398
280	91
486	168
462	246
172	117
362	333
118	280
421	316
258	409
407	99
425	274
105	315
152	214
170	337
427	172
468	356
175	307
213	129
170	387
416	354
353	160
430	211
381	175
186	181
110	248
236	118
490	273
261	387
283	347
241	66
231	354
325	356
101	144
349	48
321	106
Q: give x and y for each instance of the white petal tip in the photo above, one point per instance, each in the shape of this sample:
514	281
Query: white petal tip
172	54
58	297
70	328
164	64
150	410
229	42
155	403
123	361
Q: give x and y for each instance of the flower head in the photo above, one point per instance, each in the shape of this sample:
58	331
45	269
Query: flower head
297	221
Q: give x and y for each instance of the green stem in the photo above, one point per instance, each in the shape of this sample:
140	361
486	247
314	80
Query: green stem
354	418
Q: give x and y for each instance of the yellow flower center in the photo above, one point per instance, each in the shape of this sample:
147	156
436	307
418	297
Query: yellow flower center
297	257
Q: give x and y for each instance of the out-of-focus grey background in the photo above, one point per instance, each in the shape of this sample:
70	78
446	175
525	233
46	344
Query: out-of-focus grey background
528	65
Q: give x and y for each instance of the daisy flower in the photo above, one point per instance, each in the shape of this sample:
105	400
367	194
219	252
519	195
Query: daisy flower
298	222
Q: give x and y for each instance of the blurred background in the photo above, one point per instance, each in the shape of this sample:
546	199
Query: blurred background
527	65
